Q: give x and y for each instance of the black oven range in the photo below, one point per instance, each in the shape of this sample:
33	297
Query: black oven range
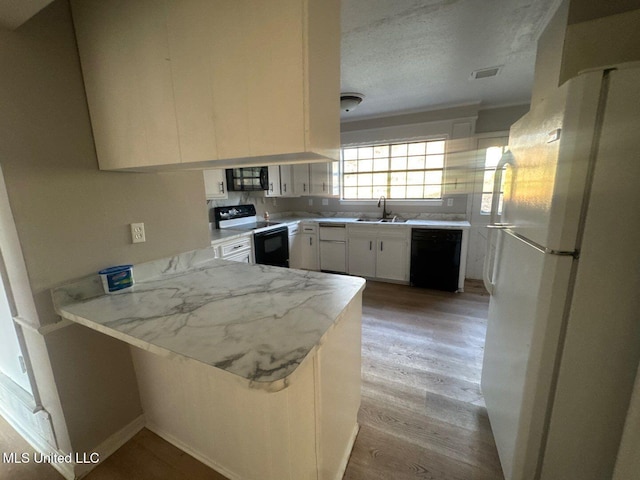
270	239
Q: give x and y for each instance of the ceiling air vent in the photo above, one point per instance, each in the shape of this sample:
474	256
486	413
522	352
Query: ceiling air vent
486	72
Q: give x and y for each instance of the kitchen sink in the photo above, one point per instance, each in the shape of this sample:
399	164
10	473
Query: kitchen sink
381	220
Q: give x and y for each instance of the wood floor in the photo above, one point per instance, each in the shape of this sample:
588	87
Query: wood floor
422	414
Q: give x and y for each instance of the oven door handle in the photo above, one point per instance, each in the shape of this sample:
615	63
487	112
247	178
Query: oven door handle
273	232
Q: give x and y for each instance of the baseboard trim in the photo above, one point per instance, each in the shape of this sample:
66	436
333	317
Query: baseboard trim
40	445
110	445
190	451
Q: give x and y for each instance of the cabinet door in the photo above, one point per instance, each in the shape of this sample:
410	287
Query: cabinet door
362	256
392	260
274	181
295	253
320	178
286	180
214	184
127	74
189	33
309	251
301	179
258	93
242	257
333	256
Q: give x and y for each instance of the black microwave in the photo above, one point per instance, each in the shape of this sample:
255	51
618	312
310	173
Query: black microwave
247	179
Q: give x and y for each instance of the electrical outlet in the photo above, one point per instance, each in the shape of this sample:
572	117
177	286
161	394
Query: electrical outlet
311	202
449	202
325	201
137	233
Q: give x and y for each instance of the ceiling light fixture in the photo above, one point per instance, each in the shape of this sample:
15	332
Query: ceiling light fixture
350	100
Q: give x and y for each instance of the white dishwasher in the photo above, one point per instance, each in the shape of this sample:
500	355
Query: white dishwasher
333	247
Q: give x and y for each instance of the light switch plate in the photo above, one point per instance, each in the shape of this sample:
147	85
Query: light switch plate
449	202
137	233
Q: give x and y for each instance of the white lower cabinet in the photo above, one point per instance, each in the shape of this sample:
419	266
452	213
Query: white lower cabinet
236	250
392	257
379	252
295	239
309	256
362	254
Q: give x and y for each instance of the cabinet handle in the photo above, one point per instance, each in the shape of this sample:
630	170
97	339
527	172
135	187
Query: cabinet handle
324	186
271	187
370	245
304	187
284	187
238	246
310	240
381	245
221	187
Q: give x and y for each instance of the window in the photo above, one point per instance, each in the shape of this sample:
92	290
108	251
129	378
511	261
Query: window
407	171
491	159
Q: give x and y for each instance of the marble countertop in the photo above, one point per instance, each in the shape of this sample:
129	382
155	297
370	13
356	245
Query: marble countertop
217	235
373	221
254	321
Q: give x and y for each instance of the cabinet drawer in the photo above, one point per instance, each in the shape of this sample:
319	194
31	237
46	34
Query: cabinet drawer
235	247
309	228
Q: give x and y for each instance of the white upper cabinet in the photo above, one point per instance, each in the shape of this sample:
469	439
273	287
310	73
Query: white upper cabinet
215	184
274	189
320	179
310	179
300	173
210	83
286	180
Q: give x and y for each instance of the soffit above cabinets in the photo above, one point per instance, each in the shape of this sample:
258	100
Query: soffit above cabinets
210	83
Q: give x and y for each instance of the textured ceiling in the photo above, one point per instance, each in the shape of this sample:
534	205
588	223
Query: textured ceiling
417	55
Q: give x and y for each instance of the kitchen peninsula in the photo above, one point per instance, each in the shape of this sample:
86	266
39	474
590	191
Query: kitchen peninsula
254	370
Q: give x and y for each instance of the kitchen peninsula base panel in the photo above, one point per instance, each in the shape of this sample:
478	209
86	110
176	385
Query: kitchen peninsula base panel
305	431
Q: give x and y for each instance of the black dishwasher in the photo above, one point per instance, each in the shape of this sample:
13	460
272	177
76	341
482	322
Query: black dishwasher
435	258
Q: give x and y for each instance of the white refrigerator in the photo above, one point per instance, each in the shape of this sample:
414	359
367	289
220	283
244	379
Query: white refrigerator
563	333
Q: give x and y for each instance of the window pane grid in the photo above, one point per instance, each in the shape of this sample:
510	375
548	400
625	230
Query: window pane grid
399	171
492	156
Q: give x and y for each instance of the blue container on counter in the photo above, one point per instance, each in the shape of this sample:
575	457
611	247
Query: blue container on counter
115	279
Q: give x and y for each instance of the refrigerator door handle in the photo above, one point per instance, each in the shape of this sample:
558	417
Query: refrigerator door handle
487	276
547	251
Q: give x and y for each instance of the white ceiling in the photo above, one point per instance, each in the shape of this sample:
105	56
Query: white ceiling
418	55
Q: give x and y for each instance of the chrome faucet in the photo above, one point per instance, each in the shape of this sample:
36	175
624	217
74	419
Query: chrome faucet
383	199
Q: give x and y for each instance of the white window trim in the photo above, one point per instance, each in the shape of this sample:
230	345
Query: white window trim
431	202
